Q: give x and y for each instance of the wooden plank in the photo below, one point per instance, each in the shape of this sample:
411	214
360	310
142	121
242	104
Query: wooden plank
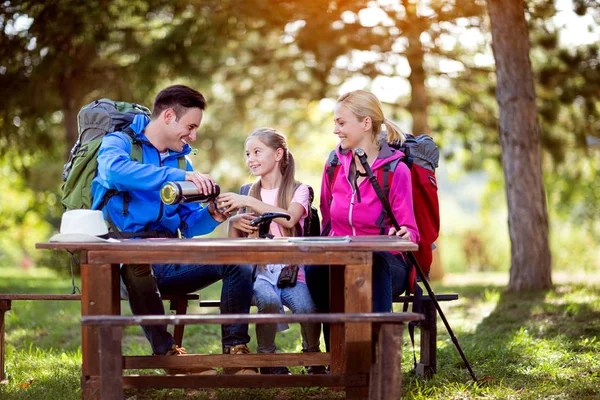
337	331
35	296
100	296
438	297
189	296
357	318
90	387
389	372
427	365
210	303
111	383
399	299
243	381
358	294
230	256
243	245
4	307
32	296
226	360
180	308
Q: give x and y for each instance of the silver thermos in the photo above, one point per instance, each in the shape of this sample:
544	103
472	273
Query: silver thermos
185	192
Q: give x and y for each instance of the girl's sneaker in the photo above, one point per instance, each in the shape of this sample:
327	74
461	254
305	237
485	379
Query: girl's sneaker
316	370
275	371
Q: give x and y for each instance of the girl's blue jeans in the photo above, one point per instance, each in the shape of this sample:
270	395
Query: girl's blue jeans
297	299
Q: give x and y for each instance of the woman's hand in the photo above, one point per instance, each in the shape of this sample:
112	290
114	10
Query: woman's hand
230	202
241	222
403	232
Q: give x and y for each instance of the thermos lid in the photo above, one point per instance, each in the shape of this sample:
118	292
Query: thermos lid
169	193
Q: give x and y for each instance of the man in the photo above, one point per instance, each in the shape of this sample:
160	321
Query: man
136	210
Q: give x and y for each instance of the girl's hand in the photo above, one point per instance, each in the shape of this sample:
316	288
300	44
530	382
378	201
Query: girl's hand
241	222
218	215
230	202
403	232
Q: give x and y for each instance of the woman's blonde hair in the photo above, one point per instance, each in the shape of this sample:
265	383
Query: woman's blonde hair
365	104
273	139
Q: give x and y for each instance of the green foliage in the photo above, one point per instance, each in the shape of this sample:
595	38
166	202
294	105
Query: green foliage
533	345
264	63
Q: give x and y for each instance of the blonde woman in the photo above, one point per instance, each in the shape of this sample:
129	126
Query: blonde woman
349	203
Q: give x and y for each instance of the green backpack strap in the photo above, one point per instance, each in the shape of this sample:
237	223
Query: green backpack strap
135	154
181	163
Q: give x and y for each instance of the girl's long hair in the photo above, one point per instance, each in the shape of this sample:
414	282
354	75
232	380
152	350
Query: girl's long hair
274	140
365	104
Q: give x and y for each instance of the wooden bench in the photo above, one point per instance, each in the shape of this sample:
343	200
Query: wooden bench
427	365
384	380
178	304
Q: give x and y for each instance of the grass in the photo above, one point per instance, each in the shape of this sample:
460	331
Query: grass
535	345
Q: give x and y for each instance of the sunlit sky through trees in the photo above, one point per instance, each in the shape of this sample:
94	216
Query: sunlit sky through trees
574	30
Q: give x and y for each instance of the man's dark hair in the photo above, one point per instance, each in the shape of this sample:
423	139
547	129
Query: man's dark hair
178	97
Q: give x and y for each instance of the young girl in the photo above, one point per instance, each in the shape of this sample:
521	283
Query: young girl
276	190
350	206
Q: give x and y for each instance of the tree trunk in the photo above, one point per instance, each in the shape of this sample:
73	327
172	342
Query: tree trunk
415	57
520	139
70	108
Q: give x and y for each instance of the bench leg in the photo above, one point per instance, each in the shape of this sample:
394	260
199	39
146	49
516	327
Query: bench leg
111	363
386	378
427	366
4	307
180	308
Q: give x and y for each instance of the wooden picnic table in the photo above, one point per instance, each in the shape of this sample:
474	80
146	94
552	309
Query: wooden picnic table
350	280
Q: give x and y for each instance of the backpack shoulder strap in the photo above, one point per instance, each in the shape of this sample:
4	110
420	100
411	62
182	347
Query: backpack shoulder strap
384	177
332	169
181	163
245	189
298	227
135	153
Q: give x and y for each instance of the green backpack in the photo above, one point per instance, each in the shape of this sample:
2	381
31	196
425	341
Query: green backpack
95	120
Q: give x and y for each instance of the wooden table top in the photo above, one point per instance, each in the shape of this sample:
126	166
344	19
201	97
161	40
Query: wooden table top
306	244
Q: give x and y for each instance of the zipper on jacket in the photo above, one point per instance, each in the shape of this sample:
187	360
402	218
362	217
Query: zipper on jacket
350	214
350	209
161	162
160	209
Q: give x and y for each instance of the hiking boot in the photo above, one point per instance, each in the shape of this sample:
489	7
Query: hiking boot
177	351
316	370
275	371
238	349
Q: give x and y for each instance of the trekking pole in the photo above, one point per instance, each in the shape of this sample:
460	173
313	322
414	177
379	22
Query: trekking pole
388	209
264	223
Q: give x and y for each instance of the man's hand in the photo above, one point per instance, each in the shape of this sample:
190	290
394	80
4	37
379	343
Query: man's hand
204	182
403	232
218	215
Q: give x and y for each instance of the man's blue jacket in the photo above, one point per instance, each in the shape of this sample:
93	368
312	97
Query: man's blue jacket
143	180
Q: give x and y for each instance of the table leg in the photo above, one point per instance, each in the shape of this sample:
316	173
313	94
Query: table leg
386	382
99	296
358	298
337	341
111	362
4	307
